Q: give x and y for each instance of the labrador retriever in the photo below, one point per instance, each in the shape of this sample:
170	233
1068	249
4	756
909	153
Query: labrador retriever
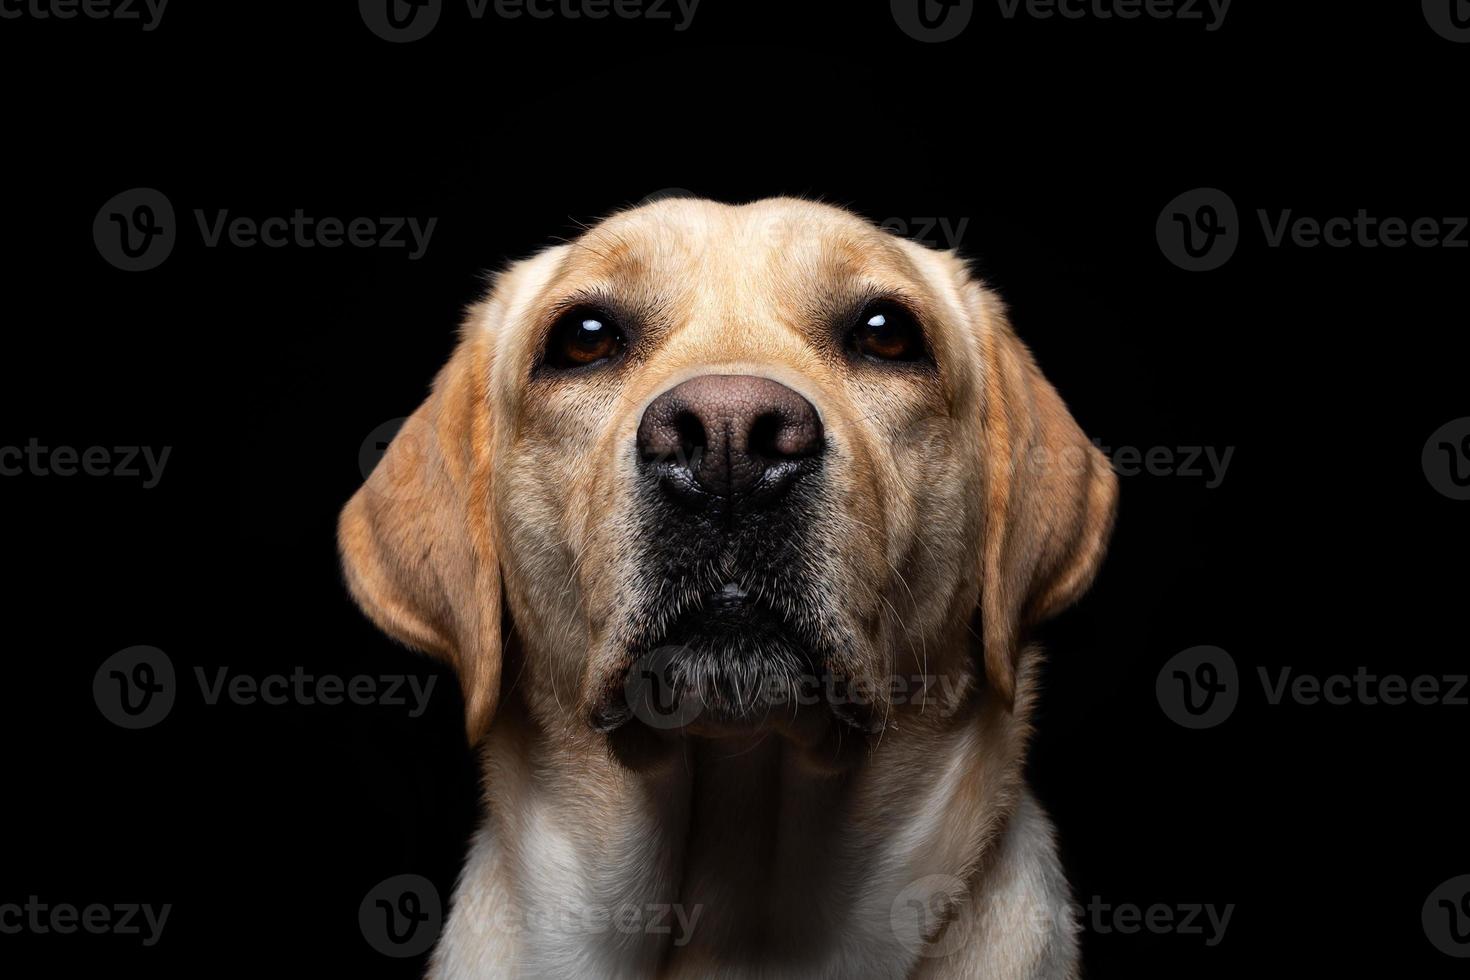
735	522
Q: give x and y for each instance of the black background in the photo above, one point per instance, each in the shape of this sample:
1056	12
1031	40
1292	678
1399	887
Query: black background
1324	548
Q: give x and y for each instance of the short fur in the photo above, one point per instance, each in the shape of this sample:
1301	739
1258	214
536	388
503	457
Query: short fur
961	506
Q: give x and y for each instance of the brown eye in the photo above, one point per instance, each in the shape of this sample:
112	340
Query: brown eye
582	337
888	332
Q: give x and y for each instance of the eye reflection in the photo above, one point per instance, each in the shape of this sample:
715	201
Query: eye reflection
888	332
582	337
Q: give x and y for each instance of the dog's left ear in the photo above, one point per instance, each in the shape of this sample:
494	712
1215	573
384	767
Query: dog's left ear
1050	497
417	539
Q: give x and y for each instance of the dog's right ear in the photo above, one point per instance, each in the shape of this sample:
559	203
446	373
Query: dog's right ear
1050	496
418	539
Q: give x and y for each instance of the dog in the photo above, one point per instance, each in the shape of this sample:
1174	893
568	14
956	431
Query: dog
735	523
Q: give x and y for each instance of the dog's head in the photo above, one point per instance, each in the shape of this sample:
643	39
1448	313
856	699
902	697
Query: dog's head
743	466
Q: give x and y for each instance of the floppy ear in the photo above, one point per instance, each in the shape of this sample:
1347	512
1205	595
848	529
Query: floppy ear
1050	497
417	539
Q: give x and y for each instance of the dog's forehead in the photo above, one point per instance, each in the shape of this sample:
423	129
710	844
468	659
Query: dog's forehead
770	246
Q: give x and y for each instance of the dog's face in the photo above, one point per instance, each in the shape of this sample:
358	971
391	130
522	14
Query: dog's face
732	468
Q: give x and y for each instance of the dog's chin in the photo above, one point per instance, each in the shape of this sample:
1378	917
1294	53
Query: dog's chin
733	667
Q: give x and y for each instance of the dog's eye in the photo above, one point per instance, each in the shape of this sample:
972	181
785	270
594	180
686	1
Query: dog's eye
886	331
582	336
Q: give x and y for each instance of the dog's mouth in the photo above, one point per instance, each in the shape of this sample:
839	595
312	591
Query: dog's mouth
735	661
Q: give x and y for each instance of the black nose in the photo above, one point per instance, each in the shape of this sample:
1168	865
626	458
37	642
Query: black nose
728	435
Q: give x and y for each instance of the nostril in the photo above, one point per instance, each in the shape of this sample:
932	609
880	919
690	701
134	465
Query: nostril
691	436
778	434
765	436
673	435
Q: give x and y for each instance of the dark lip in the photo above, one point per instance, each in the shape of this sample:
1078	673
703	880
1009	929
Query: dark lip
752	635
729	613
687	493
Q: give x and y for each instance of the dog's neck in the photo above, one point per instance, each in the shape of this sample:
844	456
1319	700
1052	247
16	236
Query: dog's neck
736	857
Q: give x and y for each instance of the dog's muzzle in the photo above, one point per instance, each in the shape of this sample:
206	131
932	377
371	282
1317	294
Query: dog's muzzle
727	619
